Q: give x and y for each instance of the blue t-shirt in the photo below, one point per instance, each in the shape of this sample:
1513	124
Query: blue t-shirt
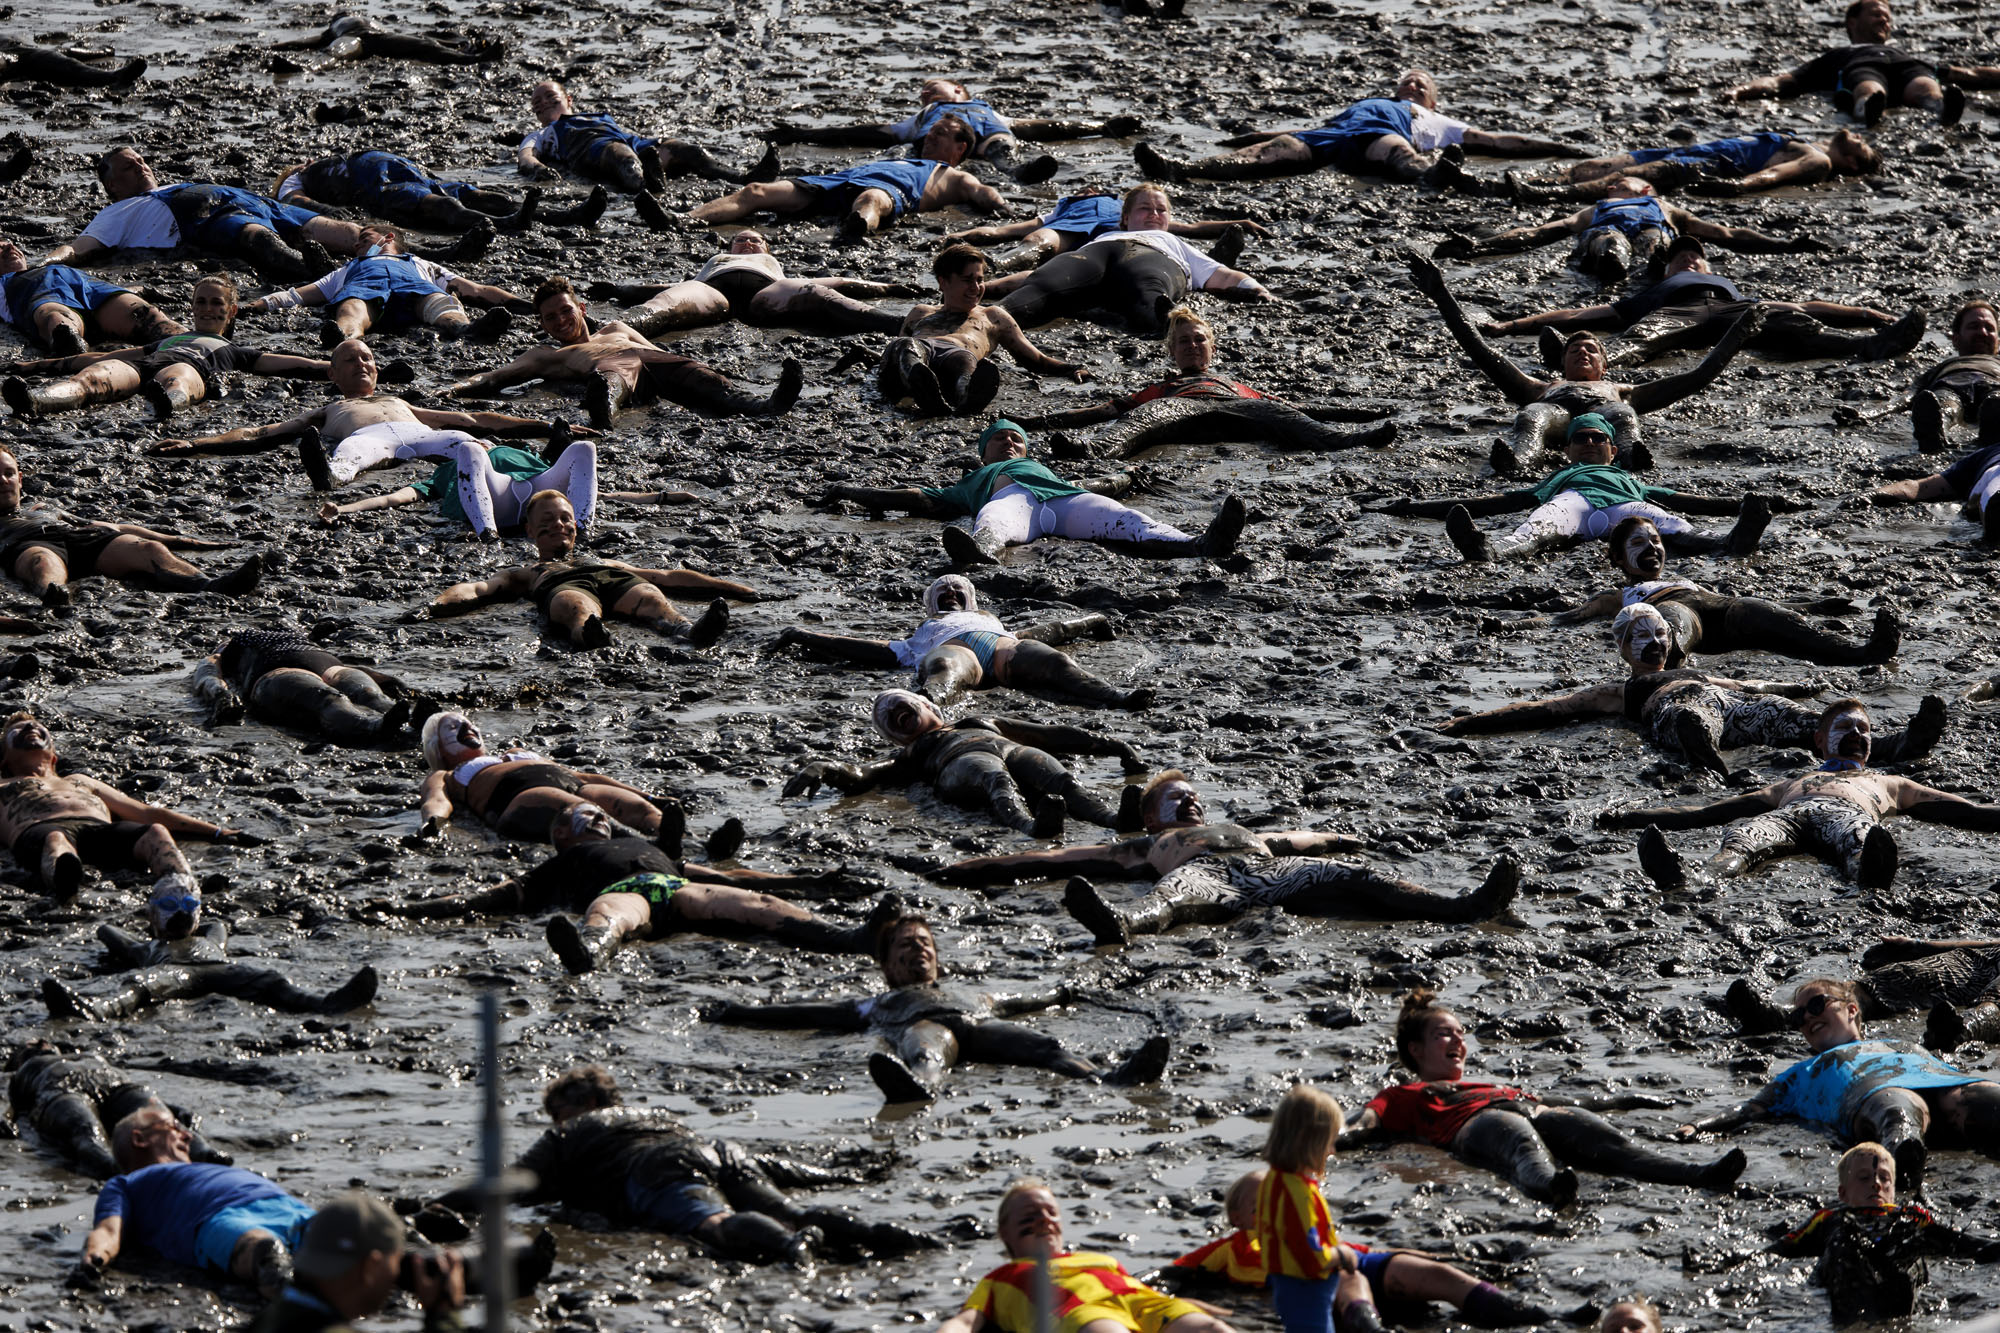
164	1206
1829	1088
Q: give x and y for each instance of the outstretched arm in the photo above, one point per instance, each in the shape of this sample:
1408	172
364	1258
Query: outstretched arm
1689	502
331	512
988	235
1043	131
1217	226
1514	241
835	136
1075	416
1532	714
531	364
462	597
1569	320
871	653
122	806
285	366
686	580
1308	843
1803	170
1691	816
1658	393
1233	285
908	499
1032	1002
1740	1114
1519	387
1060	739
840	1015
1113	858
1941	807
850	779
1008	334
75	248
1933	487
1599	606
1096	625
498	425
1519	145
1505	502
1747	240
242	440
1360	1129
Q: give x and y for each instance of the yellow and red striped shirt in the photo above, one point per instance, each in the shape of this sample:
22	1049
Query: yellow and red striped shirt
1294	1229
1085	1286
1235	1256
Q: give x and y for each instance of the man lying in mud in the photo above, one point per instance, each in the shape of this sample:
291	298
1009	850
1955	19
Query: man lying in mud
593	143
387	288
1394	137
626	886
1959	391
998	137
869	196
1726	168
1206	873
1623	231
489	489
1711	622
364	429
61	307
1196	405
619	366
1974	479
281	677
1692	713
934	1026
639	1166
356	37
1866	77
1590	498
73	1102
229	221
1004	765
386	185
958	647
1693	306
1077	219
1547	406
577	594
55	825
186	958
747	282
23	62
942	361
1956	981
1833	813
1014	501
44	548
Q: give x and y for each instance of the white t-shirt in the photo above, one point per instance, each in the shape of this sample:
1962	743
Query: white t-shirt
542	141
912	651
1198	266
436	274
293	184
765	263
141	221
1430	131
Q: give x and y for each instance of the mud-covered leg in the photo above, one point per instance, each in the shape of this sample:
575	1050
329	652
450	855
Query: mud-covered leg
1586	1139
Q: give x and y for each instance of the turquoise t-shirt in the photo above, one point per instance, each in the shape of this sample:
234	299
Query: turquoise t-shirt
976	488
1603	484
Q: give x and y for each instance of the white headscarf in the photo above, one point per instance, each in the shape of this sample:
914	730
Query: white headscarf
958	581
890	701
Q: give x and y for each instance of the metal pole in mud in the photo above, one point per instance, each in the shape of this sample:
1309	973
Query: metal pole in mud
496	1273
1045	1296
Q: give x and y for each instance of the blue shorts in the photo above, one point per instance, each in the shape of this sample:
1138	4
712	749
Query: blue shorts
903	182
982	642
383	277
585	139
214	216
679	1208
1304	1305
1086	215
281	1215
384	182
57	284
1723	157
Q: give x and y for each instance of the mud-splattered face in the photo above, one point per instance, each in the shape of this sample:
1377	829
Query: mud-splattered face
1867	1181
28	736
1031	1224
911	958
1646	642
550	102
1176	805
551	526
1441	1056
173	913
1847	735
213	308
1643	555
1583	359
1192	348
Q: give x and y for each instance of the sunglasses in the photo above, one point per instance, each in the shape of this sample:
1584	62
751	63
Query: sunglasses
178	904
1589	437
1812	1008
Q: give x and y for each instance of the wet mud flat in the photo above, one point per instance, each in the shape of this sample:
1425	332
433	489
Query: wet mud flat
1298	685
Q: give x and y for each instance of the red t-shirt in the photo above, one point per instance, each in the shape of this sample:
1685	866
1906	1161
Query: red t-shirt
1188	386
1437	1111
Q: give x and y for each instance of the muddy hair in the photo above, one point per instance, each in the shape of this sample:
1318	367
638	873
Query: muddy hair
589	1086
956	259
1184	317
1413	1021
1303	1129
1020	1185
1150	187
878	944
1650	1311
1977	303
1833	988
1153	788
1620	532
1826	717
22	714
555	285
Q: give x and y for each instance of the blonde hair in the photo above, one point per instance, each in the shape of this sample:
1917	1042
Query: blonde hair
1150	187
1185	316
1646	1308
1246	1184
1303	1129
1864	1152
1007	1196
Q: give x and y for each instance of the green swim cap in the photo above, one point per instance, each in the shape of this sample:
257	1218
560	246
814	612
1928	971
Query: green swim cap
999	425
1589	421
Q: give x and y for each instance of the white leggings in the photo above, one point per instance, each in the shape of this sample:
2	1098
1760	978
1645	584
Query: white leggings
390	442
1015	514
1570	515
493	500
1986	487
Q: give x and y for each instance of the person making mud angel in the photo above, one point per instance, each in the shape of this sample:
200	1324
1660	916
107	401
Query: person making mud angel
941	361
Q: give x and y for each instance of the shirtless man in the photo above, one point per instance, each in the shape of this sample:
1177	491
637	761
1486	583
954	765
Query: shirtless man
1392	137
399	291
1692	306
144	214
518	792
59	306
45	547
1831	813
595	144
363	429
1959	391
983	761
619	366
1866	77
1623	230
1724	168
173	371
626	887
940	361
998	137
56	825
933	1026
747	282
576	595
869	195
1208	873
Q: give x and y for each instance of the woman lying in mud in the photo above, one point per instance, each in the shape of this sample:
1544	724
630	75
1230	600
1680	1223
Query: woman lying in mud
1198	406
1510	1131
